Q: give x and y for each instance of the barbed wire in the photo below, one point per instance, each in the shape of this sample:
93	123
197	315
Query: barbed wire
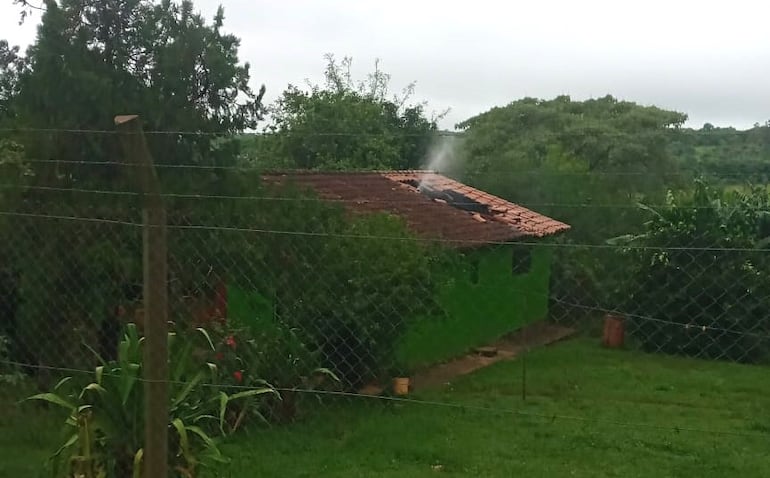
479	242
414	401
686	326
708	326
471	174
554	298
636	205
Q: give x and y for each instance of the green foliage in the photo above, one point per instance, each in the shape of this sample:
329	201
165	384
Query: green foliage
594	151
725	155
93	60
325	289
599	134
68	285
12	65
685	266
105	415
352	296
570	160
345	125
89	62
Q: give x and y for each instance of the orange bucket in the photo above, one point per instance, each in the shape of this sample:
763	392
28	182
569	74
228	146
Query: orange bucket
614	331
401	386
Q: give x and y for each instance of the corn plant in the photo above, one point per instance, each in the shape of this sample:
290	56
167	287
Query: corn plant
106	414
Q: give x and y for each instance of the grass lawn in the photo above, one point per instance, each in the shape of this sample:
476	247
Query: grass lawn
28	435
589	412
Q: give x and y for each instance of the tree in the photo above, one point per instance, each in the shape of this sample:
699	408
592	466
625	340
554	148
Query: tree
564	151
11	67
346	124
572	160
725	155
92	60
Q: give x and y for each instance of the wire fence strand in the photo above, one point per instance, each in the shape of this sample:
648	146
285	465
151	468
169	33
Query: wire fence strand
284	306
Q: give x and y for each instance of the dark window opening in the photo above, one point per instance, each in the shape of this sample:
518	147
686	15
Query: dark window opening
522	260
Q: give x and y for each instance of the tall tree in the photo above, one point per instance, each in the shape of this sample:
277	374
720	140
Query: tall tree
90	61
346	124
162	60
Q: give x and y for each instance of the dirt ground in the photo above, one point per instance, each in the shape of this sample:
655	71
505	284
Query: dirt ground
509	347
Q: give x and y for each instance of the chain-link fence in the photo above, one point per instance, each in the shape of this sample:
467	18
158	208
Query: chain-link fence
359	297
283	304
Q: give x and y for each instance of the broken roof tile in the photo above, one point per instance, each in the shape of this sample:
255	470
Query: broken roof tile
482	218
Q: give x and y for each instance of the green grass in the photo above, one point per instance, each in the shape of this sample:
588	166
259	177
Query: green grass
28	434
590	412
575	379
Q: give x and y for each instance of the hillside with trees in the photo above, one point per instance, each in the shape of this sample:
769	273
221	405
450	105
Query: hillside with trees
727	155
559	154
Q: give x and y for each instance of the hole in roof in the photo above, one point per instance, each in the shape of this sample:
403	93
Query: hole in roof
451	197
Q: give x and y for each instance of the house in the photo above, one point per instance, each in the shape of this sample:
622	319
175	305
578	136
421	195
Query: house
500	281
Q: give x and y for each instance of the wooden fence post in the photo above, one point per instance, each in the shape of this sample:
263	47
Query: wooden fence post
155	266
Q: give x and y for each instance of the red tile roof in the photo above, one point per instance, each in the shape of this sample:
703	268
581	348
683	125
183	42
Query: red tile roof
441	208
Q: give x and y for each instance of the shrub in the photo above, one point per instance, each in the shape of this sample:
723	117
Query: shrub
341	288
243	354
352	296
699	278
105	414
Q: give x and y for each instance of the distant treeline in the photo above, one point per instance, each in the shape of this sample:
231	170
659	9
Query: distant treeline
725	154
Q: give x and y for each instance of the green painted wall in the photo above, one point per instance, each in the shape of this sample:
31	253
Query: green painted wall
480	306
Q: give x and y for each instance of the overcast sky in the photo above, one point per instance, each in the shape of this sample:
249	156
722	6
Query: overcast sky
708	59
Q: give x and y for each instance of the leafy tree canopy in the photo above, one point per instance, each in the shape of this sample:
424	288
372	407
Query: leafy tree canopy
593	135
346	124
162	60
562	151
702	244
726	155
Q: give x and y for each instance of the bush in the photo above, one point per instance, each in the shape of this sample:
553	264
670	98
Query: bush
105	420
350	296
699	277
248	356
341	288
335	290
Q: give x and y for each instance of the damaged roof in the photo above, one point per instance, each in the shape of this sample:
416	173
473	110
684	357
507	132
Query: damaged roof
433	206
